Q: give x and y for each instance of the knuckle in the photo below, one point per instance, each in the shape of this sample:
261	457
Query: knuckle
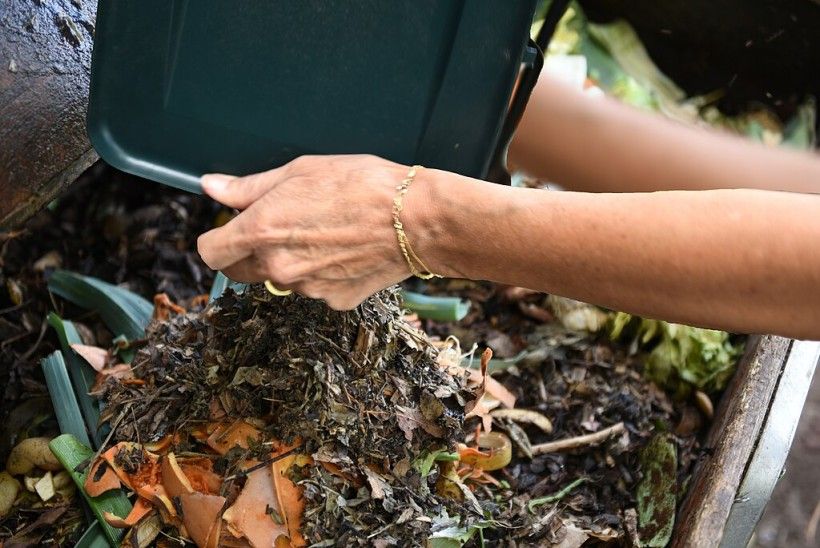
312	291
280	268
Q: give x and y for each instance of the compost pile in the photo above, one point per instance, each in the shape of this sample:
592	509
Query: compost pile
351	427
360	392
364	417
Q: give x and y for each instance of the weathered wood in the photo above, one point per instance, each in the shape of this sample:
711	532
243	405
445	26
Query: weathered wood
45	64
731	440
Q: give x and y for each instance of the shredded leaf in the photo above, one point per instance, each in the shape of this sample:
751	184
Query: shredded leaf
680	356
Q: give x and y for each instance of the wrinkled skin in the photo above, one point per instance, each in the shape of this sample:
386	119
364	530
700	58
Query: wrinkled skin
321	226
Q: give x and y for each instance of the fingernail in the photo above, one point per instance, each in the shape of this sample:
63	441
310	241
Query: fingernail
216	181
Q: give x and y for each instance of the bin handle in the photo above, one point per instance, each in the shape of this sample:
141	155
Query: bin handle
529	76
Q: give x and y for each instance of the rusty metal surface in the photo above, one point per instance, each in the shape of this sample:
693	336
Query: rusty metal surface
45	63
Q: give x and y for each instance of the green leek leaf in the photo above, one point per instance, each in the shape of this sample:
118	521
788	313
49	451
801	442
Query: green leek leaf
93	537
221	283
62	397
442	309
124	312
81	373
72	454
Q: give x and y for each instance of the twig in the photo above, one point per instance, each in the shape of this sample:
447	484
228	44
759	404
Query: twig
262	464
579	441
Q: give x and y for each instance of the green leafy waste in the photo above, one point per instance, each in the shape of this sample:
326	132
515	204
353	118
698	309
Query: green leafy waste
448	532
124	312
66	408
680	356
75	456
619	63
443	309
94	537
82	375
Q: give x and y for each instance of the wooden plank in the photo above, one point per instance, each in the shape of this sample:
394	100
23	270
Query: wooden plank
45	65
731	440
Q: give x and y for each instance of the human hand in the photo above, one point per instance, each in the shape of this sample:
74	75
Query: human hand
320	225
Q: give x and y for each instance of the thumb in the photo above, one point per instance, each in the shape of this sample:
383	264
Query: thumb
236	192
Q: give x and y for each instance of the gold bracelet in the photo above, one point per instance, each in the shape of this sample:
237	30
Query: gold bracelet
404	244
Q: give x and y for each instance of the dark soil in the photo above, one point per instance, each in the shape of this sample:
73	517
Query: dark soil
113	226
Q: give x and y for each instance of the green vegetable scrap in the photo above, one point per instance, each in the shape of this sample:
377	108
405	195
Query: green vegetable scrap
657	491
442	309
66	407
81	374
680	356
448	532
124	312
73	455
424	462
555	497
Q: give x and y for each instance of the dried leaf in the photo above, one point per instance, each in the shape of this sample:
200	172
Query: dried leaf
95	356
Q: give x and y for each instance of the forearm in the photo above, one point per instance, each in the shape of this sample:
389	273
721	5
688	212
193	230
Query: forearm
603	146
721	259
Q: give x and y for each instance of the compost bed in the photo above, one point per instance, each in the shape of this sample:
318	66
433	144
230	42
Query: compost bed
144	237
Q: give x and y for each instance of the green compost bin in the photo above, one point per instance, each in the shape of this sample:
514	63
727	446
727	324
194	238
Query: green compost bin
185	87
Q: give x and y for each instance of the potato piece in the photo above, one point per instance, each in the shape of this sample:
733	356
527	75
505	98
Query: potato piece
45	487
31	453
9	489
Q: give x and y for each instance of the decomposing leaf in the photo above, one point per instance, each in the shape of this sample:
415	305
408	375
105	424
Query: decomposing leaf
379	488
681	356
525	415
95	356
656	492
